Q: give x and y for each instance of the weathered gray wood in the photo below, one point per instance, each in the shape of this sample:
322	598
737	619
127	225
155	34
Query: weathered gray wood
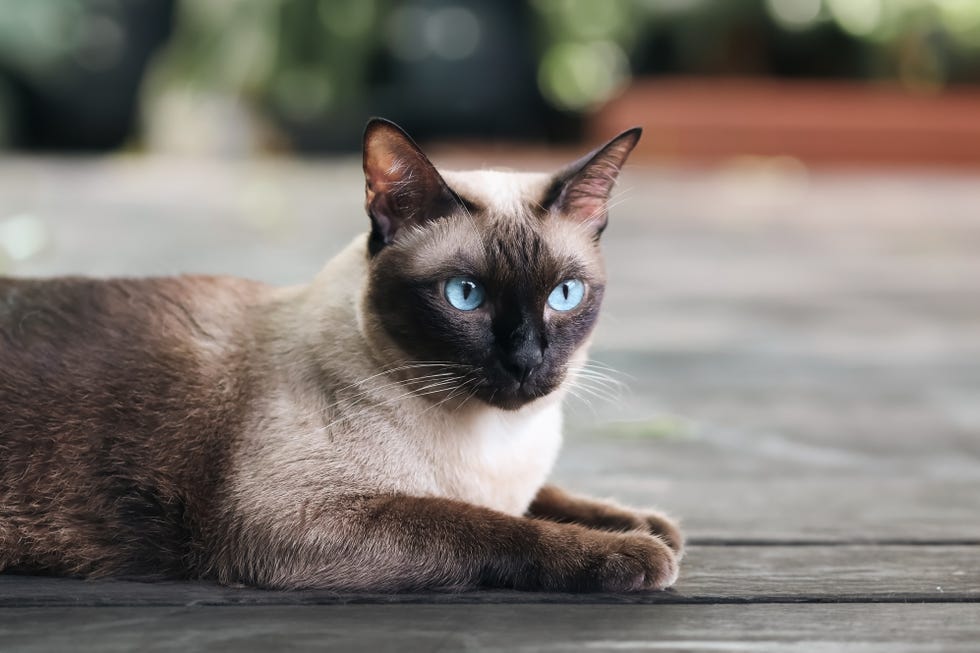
893	628
832	573
722	574
778	507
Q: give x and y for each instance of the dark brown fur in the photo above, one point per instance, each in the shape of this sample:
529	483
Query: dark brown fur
558	505
403	543
113	430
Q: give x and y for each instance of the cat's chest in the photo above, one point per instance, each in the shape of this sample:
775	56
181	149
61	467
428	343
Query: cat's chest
498	460
488	457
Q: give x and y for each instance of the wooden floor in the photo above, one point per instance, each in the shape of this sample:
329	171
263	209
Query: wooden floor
799	356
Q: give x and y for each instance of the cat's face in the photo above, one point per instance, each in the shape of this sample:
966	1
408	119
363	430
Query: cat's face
487	283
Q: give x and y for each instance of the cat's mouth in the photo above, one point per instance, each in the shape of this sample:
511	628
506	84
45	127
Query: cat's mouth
513	394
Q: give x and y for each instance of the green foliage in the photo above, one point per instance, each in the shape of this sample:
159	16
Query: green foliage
586	45
295	57
306	61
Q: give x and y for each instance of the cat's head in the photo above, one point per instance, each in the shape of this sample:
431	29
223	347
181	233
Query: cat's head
484	284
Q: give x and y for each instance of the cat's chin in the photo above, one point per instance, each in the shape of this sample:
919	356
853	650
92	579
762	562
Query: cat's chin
514	397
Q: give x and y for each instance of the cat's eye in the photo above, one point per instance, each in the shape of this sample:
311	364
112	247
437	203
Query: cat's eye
567	295
464	293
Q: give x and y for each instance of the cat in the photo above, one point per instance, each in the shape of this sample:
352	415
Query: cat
387	427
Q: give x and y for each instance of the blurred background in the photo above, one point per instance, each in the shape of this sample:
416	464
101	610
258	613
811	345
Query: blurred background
818	80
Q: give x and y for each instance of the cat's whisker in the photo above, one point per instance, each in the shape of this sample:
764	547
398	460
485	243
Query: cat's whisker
451	393
389	401
455	393
404	367
613	387
601	371
597	364
573	392
398	382
354	398
603	397
594	394
585	390
473	392
604	381
399	368
430	388
595	391
421	392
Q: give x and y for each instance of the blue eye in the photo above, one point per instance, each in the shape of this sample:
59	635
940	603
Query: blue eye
567	295
464	293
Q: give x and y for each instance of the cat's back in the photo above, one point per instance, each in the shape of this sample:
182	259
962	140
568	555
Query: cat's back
82	342
116	401
66	309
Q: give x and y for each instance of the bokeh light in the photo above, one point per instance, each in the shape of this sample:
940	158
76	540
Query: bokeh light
795	14
303	73
857	17
580	76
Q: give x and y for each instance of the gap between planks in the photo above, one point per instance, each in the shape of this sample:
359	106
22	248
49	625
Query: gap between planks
802	542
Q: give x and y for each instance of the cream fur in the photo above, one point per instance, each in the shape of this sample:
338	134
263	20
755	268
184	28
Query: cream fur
360	434
504	190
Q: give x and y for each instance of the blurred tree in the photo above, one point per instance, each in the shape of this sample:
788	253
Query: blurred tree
70	70
311	71
240	75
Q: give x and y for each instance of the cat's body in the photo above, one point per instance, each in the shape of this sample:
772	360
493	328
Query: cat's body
318	436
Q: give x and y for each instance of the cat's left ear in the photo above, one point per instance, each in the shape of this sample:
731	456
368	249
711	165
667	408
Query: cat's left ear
581	191
402	187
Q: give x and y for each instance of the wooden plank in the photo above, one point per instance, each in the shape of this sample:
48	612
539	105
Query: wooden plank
810	509
892	628
844	412
768	484
723	574
832	573
775	505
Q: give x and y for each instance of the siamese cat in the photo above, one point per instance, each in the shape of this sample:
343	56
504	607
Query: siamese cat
388	427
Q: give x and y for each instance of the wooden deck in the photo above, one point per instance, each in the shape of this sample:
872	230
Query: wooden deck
800	356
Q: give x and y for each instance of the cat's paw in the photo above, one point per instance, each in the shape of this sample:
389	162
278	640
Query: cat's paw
665	528
633	562
648	521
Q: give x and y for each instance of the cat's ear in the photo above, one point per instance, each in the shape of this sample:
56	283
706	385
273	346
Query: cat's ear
580	191
403	188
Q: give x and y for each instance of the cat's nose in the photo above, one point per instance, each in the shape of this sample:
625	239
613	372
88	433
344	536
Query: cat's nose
523	361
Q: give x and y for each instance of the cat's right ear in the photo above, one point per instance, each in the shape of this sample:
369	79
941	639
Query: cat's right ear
581	191
402	187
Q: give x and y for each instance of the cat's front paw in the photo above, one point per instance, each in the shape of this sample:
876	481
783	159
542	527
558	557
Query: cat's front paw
633	562
665	528
651	522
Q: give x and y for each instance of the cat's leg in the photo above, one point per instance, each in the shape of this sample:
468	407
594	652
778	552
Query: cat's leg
558	505
398	543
